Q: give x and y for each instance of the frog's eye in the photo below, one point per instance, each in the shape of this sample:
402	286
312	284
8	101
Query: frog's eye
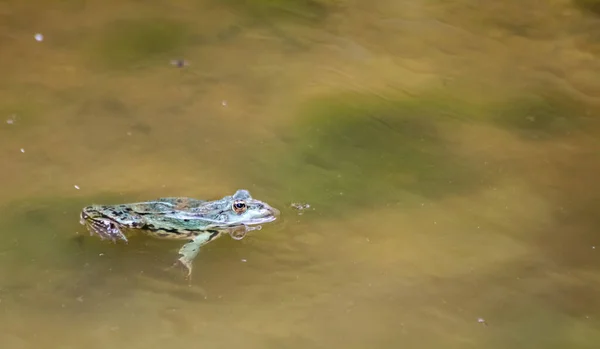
239	207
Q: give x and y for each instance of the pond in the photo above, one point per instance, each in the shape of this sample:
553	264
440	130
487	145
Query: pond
447	153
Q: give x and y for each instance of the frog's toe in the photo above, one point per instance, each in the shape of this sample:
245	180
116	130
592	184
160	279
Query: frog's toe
187	264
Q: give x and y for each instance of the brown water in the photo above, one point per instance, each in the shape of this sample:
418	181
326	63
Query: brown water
449	149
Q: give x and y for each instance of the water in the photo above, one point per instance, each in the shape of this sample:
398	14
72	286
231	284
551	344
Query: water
449	153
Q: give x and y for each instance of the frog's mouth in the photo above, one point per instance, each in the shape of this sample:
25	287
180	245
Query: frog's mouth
261	220
265	214
103	227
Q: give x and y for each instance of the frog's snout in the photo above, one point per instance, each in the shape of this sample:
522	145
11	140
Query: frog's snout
274	212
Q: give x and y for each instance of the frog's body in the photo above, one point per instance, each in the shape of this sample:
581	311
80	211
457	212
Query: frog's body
180	218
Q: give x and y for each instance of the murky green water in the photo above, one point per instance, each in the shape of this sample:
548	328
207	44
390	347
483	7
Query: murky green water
449	151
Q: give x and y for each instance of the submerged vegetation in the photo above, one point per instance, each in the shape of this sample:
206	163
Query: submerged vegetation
129	43
313	10
538	116
589	5
349	151
126	43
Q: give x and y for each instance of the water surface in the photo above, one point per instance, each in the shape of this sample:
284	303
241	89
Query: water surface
449	152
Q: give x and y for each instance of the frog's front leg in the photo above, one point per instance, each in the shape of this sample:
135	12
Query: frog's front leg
190	250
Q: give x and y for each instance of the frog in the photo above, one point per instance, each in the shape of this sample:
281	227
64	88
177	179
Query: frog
195	221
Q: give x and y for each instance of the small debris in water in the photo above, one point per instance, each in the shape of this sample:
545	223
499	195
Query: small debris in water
243	260
11	119
76	186
300	207
22	150
224	103
179	63
38	37
482	321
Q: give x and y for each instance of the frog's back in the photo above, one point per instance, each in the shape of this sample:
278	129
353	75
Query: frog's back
167	204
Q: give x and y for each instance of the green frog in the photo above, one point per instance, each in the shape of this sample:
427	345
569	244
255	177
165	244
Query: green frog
180	218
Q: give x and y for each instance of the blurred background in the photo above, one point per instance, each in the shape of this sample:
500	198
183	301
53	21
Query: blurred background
448	150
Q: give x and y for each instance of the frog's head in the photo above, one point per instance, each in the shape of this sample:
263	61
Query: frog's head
103	221
241	208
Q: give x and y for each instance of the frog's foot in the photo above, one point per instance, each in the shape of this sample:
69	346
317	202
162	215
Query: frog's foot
187	257
190	250
187	264
105	229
